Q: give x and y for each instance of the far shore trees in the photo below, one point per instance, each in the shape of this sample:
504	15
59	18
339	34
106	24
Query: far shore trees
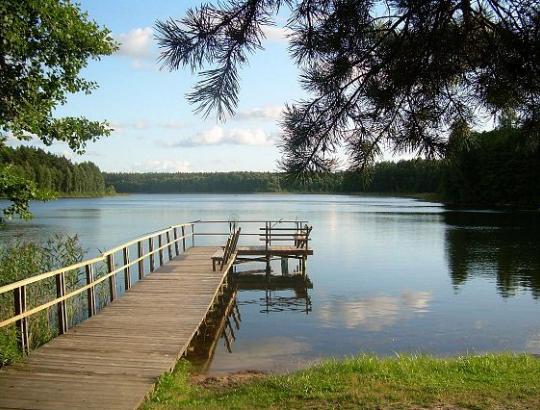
44	45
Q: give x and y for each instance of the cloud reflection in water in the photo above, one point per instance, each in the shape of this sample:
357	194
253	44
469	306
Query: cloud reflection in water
373	313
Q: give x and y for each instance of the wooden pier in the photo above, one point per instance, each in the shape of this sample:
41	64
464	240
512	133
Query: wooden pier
113	357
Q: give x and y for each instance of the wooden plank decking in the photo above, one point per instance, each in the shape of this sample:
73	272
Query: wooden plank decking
112	360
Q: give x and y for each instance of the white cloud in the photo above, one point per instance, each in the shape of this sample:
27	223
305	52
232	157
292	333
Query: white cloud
278	34
219	136
249	137
270	112
163	165
213	136
173	124
137	46
120	127
136	43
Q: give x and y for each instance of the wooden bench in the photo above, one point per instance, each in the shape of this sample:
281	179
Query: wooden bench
301	239
222	256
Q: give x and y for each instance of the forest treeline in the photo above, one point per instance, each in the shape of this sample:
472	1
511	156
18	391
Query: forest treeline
54	173
491	168
499	167
401	177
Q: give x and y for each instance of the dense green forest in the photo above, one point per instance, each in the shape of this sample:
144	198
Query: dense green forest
495	167
53	172
401	177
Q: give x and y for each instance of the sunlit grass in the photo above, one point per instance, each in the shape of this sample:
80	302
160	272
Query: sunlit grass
479	382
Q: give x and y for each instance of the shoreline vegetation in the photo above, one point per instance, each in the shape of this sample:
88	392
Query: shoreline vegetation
494	381
54	174
495	171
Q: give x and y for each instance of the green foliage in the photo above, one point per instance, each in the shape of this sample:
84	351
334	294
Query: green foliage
369	382
494	168
33	174
21	260
20	191
377	74
45	44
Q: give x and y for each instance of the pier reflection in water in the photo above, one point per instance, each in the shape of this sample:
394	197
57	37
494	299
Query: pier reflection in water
273	294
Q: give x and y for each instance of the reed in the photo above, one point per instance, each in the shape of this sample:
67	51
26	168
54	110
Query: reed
22	259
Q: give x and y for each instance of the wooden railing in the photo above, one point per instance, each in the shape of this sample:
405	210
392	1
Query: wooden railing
154	248
298	235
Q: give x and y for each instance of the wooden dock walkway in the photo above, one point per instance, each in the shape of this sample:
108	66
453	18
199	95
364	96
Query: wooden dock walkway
113	359
143	302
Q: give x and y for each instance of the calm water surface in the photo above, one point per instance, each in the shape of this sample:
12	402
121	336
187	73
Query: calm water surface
389	274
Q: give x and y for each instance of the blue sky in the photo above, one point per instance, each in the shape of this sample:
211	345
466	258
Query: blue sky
155	127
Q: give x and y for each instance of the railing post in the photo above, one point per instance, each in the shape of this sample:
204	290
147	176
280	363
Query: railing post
267	243
183	238
127	270
160	252
19	299
151	252
169	247
61	306
141	261
192	235
90	293
176	247
112	279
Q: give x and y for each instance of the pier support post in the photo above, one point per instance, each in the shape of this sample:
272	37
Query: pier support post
160	252
19	298
285	266
183	239
141	260
90	293
112	278
61	306
127	268
176	247
151	253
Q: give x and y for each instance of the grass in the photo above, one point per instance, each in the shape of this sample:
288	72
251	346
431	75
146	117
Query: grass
502	381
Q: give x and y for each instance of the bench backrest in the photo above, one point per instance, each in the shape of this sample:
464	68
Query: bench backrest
303	242
230	246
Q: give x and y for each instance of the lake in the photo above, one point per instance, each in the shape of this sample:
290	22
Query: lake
389	274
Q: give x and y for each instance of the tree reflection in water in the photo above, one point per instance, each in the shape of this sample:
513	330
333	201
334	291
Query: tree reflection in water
499	245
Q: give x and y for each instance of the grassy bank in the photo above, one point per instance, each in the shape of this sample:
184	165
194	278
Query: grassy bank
481	382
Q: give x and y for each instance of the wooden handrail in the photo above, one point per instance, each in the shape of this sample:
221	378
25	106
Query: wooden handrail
21	314
168	238
248	221
143	238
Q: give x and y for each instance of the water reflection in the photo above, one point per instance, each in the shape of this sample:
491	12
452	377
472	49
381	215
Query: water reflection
373	313
281	293
501	246
276	294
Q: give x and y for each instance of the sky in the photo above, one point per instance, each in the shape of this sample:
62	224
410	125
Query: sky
155	128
